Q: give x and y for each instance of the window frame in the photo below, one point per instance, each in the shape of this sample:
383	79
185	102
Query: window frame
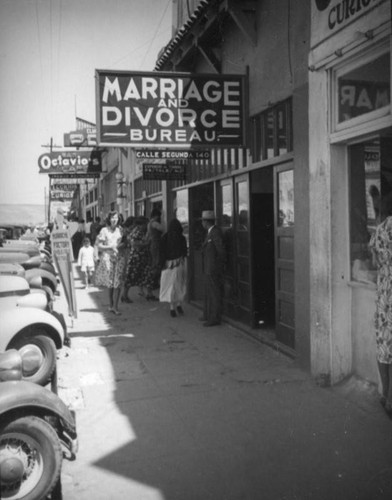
338	129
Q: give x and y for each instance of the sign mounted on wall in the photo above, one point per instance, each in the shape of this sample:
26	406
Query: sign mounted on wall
170	109
330	16
158	154
163	172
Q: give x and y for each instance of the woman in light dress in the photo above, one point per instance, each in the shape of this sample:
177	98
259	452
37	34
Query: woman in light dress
110	269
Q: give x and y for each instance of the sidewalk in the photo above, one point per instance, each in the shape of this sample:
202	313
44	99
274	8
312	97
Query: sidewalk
170	410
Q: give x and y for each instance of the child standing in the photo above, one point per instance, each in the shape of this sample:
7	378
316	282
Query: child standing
86	261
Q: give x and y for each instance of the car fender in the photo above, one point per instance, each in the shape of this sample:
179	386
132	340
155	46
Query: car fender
47	266
13	285
32	263
47	277
21	246
29	398
20	321
13	257
12	269
35	298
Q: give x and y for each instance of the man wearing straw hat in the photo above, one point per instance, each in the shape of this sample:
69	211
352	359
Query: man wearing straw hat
213	262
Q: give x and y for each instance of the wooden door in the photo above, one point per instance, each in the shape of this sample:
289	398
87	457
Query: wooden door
284	255
243	253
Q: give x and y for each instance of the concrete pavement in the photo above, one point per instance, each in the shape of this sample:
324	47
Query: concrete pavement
170	410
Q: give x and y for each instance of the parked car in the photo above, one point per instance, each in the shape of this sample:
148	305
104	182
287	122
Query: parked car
36	334
36	427
13	231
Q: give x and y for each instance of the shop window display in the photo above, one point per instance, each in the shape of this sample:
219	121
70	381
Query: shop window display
370	193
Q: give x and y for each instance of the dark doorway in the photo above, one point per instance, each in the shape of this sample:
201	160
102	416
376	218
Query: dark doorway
200	198
263	256
263	252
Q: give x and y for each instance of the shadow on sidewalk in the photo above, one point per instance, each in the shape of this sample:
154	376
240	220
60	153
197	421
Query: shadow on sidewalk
210	414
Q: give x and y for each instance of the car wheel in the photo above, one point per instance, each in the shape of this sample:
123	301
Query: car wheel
30	459
38	354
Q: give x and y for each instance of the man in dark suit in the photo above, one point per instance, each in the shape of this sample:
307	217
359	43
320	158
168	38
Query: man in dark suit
213	264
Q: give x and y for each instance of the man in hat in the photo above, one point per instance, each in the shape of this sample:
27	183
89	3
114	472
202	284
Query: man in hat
213	263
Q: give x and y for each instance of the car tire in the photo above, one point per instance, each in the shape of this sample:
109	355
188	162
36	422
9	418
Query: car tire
29	442
39	355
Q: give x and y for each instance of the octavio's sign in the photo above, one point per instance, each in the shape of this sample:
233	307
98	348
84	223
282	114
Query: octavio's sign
329	16
70	162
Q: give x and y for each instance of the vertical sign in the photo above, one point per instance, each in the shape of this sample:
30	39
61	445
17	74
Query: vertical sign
63	256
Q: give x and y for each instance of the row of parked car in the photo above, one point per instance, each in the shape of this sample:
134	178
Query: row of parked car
37	430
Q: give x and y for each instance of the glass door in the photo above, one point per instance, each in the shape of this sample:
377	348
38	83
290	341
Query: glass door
226	216
233	212
284	255
243	253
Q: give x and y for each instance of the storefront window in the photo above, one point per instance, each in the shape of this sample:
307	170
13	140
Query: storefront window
370	168
286	198
271	132
363	89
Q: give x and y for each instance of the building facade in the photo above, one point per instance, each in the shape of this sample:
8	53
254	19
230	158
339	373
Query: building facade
350	178
259	192
298	203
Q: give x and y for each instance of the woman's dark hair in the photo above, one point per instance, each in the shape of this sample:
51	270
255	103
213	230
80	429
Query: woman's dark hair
175	226
140	220
129	221
155	212
110	215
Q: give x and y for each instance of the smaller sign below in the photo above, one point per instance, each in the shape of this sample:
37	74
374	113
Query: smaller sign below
74	176
86	137
163	172
160	154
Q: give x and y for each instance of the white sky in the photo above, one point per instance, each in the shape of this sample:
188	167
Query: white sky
49	50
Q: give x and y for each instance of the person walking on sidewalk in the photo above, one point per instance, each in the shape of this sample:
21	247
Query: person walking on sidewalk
173	251
139	272
213	264
95	228
155	230
86	261
110	269
381	246
124	250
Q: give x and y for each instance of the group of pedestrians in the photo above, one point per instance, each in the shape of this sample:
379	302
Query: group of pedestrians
139	253
130	255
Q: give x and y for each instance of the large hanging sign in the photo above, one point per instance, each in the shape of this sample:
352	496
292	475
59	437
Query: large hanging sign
70	162
330	16
170	109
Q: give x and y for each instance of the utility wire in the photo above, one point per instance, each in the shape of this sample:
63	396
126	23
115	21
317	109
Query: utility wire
156	31
40	59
